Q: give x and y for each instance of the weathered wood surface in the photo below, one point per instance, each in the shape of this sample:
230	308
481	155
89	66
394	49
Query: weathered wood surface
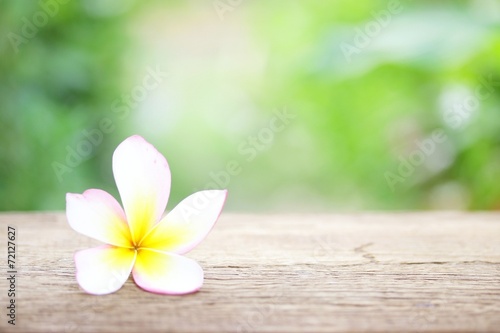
278	273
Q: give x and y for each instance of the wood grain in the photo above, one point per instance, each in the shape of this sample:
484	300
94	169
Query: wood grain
425	272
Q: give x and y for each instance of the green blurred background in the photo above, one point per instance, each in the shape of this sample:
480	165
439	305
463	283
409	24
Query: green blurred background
365	84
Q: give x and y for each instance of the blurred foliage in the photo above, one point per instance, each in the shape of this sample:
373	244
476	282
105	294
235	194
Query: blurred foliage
59	70
357	115
361	116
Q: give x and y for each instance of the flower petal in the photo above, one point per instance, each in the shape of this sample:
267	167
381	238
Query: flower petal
96	214
104	270
142	176
188	223
167	273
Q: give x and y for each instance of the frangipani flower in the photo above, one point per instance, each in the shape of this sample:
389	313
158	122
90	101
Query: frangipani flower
137	238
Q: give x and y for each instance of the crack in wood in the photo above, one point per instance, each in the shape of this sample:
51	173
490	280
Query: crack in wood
367	255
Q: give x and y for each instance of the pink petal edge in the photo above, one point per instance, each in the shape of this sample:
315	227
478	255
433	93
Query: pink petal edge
98	215
195	228
98	273
143	178
167	273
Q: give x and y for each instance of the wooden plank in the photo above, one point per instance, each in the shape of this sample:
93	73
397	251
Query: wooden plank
278	273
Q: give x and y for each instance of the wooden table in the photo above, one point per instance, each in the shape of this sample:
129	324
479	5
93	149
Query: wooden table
399	272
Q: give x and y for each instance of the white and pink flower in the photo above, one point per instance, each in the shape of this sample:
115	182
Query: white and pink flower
138	239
